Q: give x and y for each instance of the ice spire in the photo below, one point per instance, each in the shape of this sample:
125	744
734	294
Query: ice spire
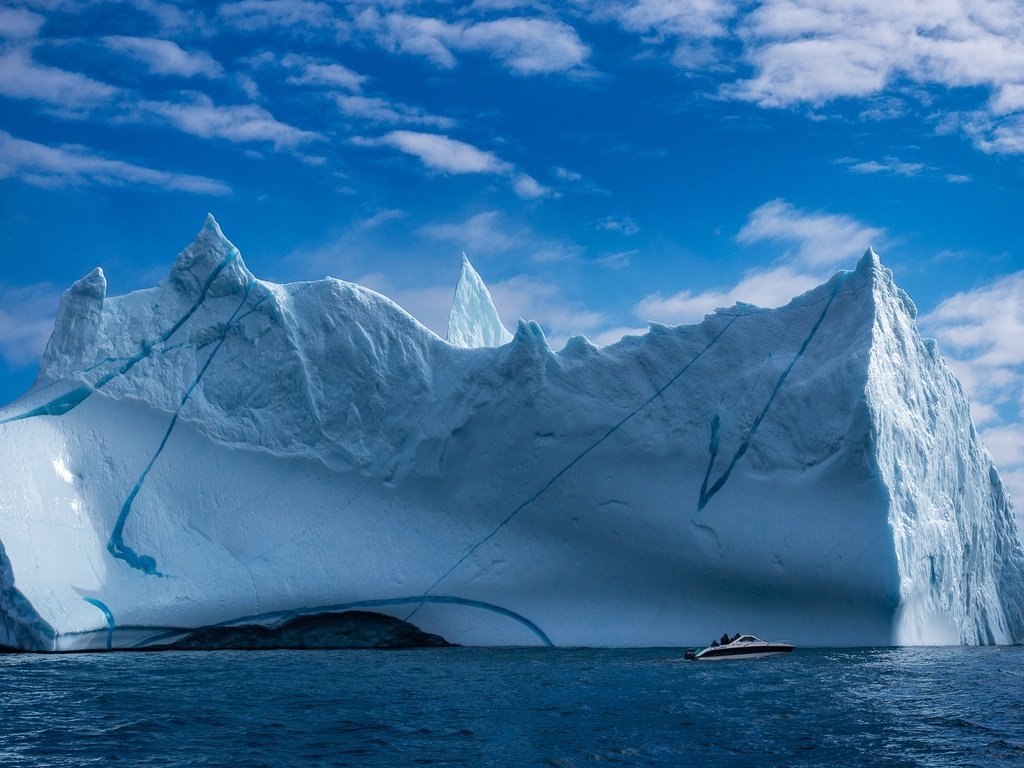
78	319
210	258
474	321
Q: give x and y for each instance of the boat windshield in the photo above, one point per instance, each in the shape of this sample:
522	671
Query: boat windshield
748	639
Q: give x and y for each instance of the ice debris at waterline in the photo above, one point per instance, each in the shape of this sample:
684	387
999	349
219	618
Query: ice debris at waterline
220	448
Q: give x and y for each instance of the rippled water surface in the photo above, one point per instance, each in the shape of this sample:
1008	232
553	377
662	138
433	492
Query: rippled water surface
480	707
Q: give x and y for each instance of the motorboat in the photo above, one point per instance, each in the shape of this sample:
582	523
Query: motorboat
742	647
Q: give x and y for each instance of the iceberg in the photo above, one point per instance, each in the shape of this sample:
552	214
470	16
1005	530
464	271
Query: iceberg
224	453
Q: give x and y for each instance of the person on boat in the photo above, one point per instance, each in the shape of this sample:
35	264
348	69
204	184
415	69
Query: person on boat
725	638
735	638
714	643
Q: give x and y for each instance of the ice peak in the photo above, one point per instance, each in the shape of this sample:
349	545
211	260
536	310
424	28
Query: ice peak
211	262
79	315
93	285
885	291
530	334
869	260
474	320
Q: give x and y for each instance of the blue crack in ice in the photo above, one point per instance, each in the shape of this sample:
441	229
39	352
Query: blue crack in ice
574	462
111	624
356	605
116	545
707	493
61	404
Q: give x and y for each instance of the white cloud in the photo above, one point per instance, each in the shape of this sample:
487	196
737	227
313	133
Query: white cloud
484	233
888	165
172	18
414	35
820	239
809	52
528	188
526	46
297	15
26	321
679	18
236	123
806	51
381	218
441	153
21	77
996	135
765	288
164	57
813	52
19	23
623	224
45	166
691	25
323	73
491	233
1009	98
816	243
378	110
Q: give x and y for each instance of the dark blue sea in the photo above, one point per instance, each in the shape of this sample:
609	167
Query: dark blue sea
485	707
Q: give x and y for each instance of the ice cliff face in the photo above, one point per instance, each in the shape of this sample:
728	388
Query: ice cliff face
222	451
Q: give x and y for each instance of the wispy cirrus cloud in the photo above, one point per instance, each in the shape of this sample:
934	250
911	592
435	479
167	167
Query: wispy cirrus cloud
483	233
237	123
891	166
447	155
814	238
21	77
441	153
379	110
71	165
492	233
526	46
291	15
690	26
814	243
763	287
309	70
20	23
621	224
26	321
165	57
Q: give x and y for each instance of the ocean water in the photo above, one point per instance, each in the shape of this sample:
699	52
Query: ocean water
513	707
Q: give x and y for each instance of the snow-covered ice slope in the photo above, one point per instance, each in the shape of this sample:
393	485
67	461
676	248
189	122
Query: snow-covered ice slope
221	449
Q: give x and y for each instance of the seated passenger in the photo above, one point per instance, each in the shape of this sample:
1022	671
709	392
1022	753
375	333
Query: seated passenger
725	639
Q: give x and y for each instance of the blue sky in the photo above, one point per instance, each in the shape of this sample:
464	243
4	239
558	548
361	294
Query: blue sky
603	163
